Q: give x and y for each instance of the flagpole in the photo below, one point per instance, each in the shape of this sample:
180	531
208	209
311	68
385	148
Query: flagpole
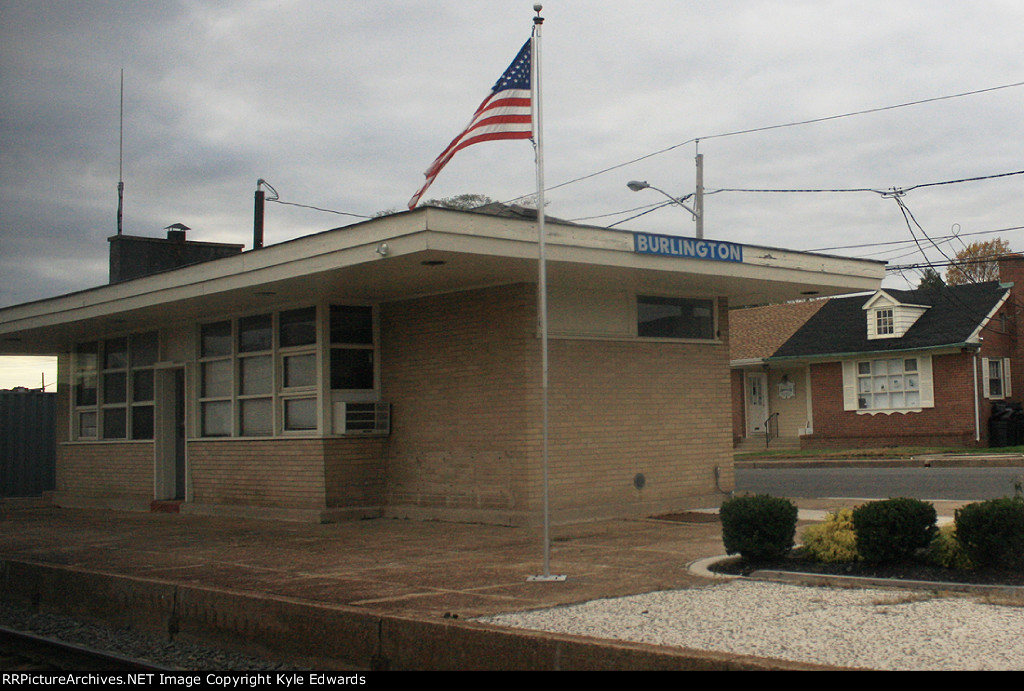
542	282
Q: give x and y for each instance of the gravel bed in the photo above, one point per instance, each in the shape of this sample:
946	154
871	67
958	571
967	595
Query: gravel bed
133	644
867	628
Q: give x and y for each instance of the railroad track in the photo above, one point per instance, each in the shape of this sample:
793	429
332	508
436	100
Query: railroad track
26	652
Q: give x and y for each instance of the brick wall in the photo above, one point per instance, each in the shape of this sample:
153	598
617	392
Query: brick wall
462	374
949	423
456	369
270	473
113	473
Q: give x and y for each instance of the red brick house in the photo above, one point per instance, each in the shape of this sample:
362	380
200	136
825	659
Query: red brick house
392	368
891	367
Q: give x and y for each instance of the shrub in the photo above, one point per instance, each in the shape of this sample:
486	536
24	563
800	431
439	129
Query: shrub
946	550
758	527
893	529
833	541
992	532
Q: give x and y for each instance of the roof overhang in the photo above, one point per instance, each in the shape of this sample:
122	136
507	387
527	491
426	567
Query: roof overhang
422	252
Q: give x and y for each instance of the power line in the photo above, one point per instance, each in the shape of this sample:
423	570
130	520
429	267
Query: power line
766	128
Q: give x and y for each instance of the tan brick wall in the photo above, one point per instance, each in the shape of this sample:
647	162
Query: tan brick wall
272	473
121	472
456	369
354	472
619	408
462	374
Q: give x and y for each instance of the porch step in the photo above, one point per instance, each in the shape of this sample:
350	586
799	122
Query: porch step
168	506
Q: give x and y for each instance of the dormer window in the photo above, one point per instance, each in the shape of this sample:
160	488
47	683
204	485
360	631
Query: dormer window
884	325
887	317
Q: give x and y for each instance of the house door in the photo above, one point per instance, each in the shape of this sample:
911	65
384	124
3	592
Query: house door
170	441
757	402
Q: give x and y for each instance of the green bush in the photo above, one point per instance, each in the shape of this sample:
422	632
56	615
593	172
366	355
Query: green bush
758	527
893	529
946	550
833	541
992	532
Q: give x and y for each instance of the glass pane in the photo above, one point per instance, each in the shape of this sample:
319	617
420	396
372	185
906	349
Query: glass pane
878	384
115	353
255	333
896	400
895	366
217	419
142	422
896	383
878	367
144	349
300	370
300	413
911	383
256	374
115	387
215	339
864	385
298	327
881	400
115	423
910	365
913	399
351	368
674	318
864	368
85	389
216	379
142	385
87	424
351	325
257	417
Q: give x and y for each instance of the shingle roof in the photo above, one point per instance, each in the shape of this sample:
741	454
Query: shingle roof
757	332
840	326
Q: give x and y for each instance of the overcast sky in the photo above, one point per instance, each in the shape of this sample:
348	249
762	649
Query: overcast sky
343	105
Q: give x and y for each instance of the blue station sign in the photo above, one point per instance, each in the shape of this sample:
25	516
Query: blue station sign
688	248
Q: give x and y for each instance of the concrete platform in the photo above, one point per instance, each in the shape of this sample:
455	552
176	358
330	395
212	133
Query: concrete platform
375	594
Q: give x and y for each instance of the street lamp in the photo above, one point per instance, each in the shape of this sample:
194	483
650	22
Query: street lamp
637	185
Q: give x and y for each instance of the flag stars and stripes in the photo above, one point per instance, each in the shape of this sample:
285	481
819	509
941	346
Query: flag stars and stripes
506	113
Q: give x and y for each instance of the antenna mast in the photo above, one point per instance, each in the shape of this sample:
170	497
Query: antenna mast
120	160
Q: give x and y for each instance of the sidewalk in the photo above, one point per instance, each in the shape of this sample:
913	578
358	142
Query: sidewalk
392	593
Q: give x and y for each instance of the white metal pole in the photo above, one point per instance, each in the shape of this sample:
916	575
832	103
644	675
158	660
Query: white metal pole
542	284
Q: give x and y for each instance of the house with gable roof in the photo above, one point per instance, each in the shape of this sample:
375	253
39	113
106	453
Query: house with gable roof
886	368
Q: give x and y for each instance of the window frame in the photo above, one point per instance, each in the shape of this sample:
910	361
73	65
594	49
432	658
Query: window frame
681	302
867	380
106	363
296	334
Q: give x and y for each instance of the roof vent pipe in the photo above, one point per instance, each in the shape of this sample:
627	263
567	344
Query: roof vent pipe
257	215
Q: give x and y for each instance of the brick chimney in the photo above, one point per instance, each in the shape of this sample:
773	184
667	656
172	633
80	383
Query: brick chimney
1011	270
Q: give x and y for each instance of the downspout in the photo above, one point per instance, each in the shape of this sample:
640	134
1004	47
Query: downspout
977	413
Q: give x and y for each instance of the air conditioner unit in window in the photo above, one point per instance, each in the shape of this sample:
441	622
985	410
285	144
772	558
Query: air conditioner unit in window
362	418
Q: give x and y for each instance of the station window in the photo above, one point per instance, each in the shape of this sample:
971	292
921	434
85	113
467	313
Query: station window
114	387
667	317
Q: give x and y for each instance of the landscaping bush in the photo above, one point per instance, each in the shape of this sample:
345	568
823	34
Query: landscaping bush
992	532
893	529
946	550
758	527
834	541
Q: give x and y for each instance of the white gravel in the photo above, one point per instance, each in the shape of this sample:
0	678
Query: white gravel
868	628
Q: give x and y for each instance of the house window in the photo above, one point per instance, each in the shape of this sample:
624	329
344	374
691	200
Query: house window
114	387
352	348
996	377
661	317
884	324
889	384
259	375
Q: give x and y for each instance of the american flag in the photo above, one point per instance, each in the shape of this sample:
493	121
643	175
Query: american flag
504	114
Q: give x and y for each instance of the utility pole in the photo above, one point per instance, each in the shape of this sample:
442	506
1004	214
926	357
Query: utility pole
698	197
